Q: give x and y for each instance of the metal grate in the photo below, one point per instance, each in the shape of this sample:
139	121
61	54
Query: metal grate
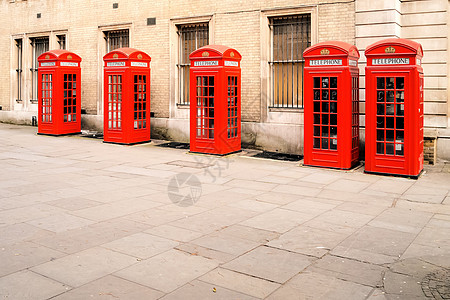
117	39
291	35
191	37
39	46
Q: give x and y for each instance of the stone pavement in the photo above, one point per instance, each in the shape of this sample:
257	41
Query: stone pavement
80	219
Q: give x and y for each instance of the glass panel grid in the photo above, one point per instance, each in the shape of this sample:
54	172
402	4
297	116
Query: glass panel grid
390	116
355	112
70	97
140	101
232	125
115	102
291	35
325	109
191	37
205	107
46	98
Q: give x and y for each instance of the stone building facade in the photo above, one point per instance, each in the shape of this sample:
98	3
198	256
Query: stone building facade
272	110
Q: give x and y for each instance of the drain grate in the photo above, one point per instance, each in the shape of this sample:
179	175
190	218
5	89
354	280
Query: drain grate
279	156
175	145
92	134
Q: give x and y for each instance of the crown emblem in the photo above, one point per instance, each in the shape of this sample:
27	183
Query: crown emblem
139	56
205	54
47	56
116	55
232	54
389	49
325	51
69	56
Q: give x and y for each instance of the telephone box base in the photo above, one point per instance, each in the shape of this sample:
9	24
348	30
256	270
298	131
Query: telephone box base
395	175
354	166
216	154
127	144
59	134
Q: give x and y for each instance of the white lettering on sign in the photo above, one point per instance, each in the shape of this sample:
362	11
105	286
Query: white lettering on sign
115	64
326	62
230	63
139	64
48	64
390	61
69	64
207	63
353	63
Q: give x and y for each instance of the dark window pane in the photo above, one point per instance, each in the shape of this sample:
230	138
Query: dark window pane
389	135
324	131
399	149
316	82
316	106
333	95
389	149
317	143
390	122
380	109
400	123
333	120
380	148
316	130
390	96
324	95
400	109
325	83
400	83
400	96
333	107
325	119
400	136
380	83
380	135
333	131
333	144
380	122
333	82
325	107
390	109
380	96
390	82
324	143
316	94
316	119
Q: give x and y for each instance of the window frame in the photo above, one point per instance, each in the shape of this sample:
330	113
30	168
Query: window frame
289	64
183	63
121	43
35	64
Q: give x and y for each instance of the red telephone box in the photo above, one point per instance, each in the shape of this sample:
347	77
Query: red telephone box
126	97
215	100
59	76
331	101
394	108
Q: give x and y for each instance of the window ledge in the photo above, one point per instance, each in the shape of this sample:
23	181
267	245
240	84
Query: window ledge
286	109
183	106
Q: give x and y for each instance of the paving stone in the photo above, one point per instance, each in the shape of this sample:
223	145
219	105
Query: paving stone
219	256
401	220
250	233
344	218
27	285
242	283
24	255
355	197
115	209
373	209
254	205
308	240
174	233
278	198
377	294
295	190
20	232
225	243
270	263
155	216
110	287
168	271
321	177
141	245
310	206
362	255
391	185
76	240
323	225
28	213
347	185
61	222
379	241
82	267
349	270
73	203
413	267
278	220
400	284
202	290
437	237
309	285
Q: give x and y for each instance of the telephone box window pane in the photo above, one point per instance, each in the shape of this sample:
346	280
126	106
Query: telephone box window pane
205	111
316	119
400	96
69	97
389	149
380	97
316	94
400	136
390	109
325	144
316	106
316	143
380	148
399	149
325	107
333	144
390	82
400	123
380	135
316	130
333	95
316	82
380	83
333	107
46	98
380	109
140	98
400	83
232	105
115	101
389	135
333	82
